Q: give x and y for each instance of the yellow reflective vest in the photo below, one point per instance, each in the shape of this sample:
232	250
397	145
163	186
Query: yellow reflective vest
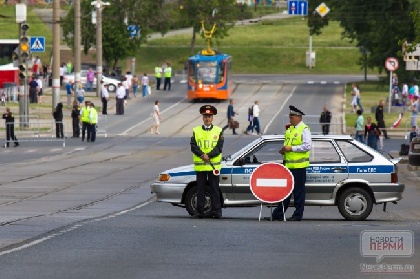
158	72
168	72
206	141
93	116
85	114
293	137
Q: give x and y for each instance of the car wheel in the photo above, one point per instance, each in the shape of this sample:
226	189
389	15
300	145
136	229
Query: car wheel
191	202
111	87
355	204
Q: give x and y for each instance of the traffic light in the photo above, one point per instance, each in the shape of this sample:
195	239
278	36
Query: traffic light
22	71
24	42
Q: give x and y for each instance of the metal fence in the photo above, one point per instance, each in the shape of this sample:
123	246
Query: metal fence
335	127
9	94
34	130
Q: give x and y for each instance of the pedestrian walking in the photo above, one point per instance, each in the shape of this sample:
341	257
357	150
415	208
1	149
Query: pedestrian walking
250	117
230	118
360	122
33	91
69	93
9	118
62	73
84	118
325	120
145	85
75	114
80	93
39	89
135	85
296	151
158	75
206	145
104	97
255	119
379	117
414	111
58	117
372	133
156	118
93	122
90	78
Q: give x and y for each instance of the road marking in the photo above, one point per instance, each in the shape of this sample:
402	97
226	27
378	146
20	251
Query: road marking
323	82
311	82
72	228
265	182
278	111
147	119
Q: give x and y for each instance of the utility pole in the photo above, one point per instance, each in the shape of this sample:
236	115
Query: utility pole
56	54
98	4
77	40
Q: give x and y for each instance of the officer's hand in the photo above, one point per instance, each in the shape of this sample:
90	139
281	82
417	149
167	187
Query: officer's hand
205	157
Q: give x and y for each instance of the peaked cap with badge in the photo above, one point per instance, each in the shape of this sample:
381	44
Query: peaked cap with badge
295	111
208	110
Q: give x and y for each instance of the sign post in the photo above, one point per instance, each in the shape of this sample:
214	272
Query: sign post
391	64
271	183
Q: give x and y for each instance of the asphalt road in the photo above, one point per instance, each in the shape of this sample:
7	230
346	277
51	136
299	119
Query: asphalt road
85	210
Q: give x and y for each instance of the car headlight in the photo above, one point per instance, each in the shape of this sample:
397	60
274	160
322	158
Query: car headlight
163	177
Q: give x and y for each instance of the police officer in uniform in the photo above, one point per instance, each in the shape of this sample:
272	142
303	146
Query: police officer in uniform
10	127
297	145
206	146
158	75
75	114
168	75
84	118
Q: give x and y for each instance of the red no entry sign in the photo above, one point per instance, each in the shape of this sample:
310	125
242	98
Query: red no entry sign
271	182
391	64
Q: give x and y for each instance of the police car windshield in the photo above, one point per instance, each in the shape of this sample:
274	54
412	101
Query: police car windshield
243	150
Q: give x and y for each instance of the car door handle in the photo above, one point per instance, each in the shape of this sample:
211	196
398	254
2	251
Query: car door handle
339	169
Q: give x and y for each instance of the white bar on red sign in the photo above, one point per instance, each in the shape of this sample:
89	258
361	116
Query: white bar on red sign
265	182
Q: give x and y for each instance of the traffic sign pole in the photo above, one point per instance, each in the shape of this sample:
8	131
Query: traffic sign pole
390	92
271	183
391	64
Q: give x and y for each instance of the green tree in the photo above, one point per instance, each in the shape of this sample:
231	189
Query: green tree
376	26
219	12
116	43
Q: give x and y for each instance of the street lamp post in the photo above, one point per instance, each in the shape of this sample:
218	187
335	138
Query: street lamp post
98	5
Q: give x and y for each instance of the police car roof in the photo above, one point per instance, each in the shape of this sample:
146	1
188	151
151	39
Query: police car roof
313	136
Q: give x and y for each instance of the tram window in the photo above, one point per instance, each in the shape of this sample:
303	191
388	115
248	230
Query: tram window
221	72
207	72
191	71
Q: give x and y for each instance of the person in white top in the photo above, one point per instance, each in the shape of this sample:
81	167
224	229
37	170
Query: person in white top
145	85
404	93
127	89
104	97
256	115
62	72
39	81
156	118
416	90
120	94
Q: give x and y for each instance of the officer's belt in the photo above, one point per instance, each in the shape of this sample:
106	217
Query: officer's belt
302	160
204	163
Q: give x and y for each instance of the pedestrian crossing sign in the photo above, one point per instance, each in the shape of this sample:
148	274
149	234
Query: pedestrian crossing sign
37	44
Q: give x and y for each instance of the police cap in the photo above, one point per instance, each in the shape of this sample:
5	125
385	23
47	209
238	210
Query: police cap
208	109
295	111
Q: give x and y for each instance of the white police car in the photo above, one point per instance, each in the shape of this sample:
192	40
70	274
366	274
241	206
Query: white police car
343	172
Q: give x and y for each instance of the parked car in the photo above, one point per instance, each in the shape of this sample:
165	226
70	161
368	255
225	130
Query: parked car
112	83
343	172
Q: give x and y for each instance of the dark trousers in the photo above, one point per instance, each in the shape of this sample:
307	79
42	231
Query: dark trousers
120	106
167	83
104	105
85	127
158	80
381	126
59	133
33	97
92	132
202	178
325	129
299	176
10	134
76	128
256	124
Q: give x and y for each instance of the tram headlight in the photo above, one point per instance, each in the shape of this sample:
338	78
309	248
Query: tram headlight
200	85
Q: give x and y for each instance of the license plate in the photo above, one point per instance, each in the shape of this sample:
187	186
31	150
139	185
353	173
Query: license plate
206	89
